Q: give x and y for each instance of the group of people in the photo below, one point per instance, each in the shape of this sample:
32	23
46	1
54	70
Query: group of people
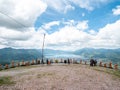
93	62
67	61
56	61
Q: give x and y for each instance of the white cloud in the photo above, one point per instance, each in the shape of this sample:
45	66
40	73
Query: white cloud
18	39
82	25
89	4
58	5
68	37
71	36
68	7
83	4
61	5
116	11
65	5
13	13
10	34
92	32
108	36
23	11
69	22
50	24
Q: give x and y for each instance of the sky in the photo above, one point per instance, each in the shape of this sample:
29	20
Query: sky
67	24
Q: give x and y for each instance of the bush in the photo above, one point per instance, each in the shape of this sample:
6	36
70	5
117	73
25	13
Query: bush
6	80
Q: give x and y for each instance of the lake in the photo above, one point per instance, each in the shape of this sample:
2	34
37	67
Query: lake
64	56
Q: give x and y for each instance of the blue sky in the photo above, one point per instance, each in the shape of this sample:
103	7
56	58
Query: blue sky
97	18
68	24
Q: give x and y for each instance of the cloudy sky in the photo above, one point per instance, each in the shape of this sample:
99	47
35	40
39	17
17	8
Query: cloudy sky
68	24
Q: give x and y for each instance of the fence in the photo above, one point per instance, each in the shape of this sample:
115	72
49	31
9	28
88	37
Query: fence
48	62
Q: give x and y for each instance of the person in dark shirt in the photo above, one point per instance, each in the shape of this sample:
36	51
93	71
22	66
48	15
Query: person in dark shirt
68	61
95	62
65	61
91	62
47	61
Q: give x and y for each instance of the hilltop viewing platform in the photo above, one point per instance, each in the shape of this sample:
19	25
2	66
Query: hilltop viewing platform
60	75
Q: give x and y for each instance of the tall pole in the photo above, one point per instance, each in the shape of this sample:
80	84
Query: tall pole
43	50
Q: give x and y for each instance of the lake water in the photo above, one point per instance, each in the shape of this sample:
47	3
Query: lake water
63	56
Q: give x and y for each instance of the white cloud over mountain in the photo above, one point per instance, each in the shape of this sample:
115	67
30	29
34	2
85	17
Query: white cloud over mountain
68	38
107	37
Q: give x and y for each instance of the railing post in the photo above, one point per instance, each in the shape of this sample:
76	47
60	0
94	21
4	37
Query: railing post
80	61
61	61
6	66
23	63
100	64
71	61
105	65
26	63
49	62
32	62
110	65
116	66
38	61
12	64
18	64
0	67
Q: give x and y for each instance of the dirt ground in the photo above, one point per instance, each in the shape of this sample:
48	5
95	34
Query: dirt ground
59	77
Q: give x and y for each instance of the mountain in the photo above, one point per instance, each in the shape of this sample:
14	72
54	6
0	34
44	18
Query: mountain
104	54
8	54
56	52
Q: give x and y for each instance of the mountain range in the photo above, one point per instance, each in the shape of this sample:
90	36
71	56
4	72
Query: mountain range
112	55
8	54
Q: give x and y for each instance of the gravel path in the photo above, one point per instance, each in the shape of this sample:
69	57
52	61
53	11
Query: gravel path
60	77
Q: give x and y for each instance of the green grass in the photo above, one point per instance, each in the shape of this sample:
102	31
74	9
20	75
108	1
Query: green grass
6	80
113	72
